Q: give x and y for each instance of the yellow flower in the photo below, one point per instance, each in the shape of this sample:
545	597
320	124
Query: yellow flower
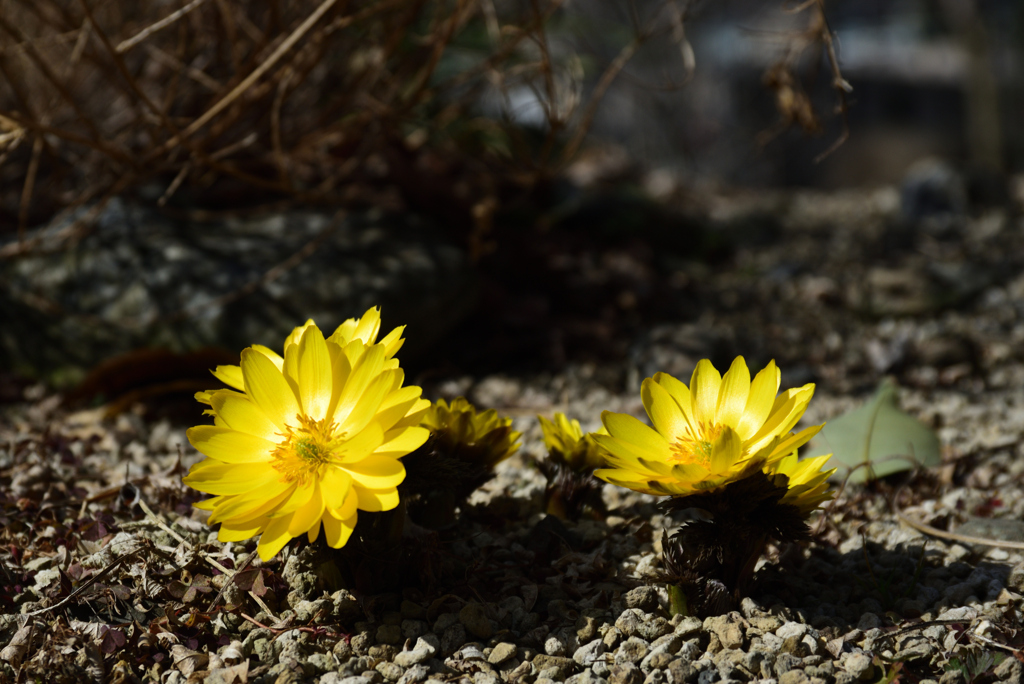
807	484
365	329
567	444
716	431
312	437
462	432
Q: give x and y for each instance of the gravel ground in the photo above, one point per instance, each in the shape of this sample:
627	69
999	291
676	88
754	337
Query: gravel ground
107	574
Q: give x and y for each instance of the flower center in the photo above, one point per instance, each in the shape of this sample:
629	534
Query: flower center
691	448
306	450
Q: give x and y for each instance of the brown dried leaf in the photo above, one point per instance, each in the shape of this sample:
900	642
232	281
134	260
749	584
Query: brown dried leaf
188	661
15	651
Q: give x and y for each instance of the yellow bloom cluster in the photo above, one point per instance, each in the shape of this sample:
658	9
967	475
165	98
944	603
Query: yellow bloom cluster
718	430
568	445
309	437
459	429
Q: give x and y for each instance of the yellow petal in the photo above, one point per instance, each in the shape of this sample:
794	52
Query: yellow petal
341	369
368	326
787	410
364	371
274	357
230	376
733	394
630	430
315	378
232	533
337	532
759	404
704	386
268	389
208	504
307	515
274	537
240	413
681	394
297	498
402	441
229	446
726	451
342	335
295	336
393	341
611	476
792	442
377	472
396	405
348	507
665	413
624	455
359	446
366	406
214	477
257	503
376	499
335	487
415	416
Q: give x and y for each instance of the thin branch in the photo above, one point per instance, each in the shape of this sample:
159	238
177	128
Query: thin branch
117	562
30	182
249	80
126	45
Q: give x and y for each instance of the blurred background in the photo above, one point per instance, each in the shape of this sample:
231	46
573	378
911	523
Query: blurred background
618	188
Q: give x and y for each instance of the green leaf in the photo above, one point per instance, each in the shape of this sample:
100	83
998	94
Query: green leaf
877	439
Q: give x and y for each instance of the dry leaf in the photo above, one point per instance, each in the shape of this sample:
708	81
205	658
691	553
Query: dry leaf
15	651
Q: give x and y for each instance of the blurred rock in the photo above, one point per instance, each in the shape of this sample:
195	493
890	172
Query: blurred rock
140	278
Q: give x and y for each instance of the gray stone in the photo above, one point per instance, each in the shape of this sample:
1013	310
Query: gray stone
656	677
554	646
794	677
859	665
643	598
356	680
784	662
424	649
960	613
629	621
485	678
765	623
562	665
412	629
502	652
632	650
791	629
1009	671
586	677
727	628
682	672
444	621
625	673
587	628
415	674
689	627
654	628
586	655
453	638
391	672
474	619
